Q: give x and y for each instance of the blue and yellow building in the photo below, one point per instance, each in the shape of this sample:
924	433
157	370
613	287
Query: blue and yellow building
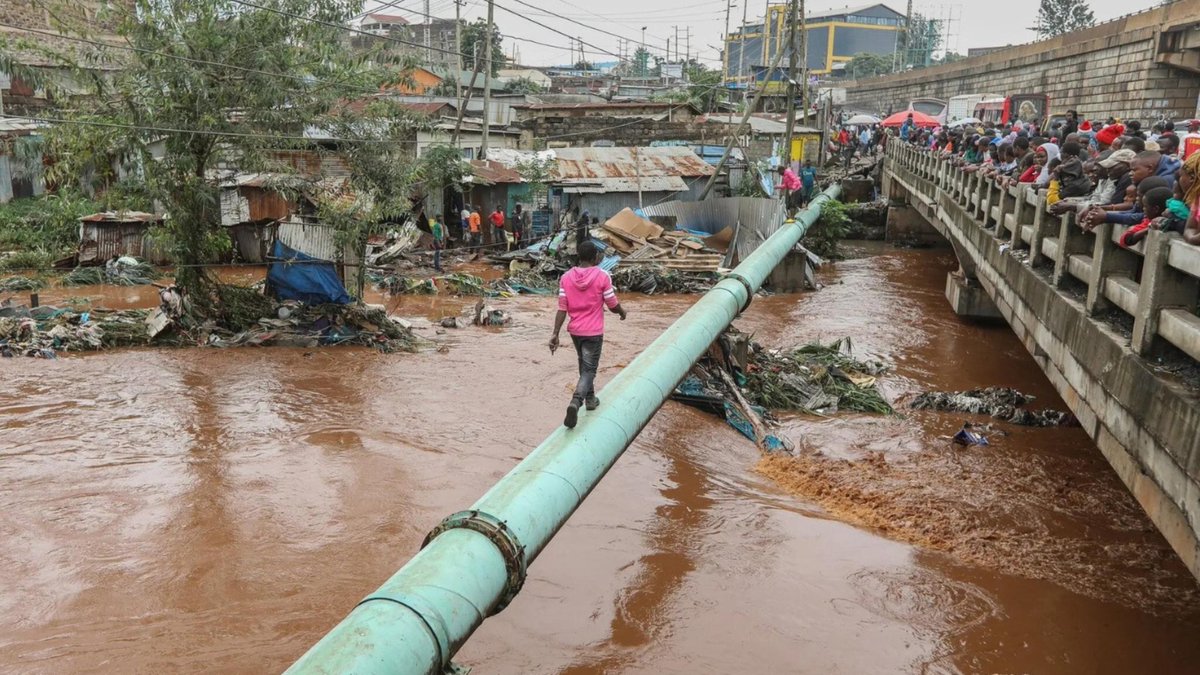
834	37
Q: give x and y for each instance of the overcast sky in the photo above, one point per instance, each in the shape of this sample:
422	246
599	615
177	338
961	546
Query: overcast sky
1003	23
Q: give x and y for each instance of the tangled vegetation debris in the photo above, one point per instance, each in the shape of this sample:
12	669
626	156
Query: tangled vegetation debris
19	283
743	382
815	378
136	273
651	279
458	283
1002	403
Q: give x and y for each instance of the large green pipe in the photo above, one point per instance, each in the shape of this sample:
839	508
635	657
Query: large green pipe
474	562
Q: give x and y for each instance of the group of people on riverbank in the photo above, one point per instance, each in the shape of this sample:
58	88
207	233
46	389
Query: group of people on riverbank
1106	172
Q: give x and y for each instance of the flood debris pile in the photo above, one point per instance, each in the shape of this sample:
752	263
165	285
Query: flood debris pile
640	242
1001	403
652	279
43	332
123	271
744	382
457	283
816	378
245	317
294	324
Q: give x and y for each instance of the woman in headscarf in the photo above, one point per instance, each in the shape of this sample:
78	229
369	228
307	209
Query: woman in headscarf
1051	153
1189	175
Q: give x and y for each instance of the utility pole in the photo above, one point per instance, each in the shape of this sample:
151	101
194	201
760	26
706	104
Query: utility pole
428	25
645	52
487	79
458	55
804	66
907	55
793	59
742	43
687	50
725	42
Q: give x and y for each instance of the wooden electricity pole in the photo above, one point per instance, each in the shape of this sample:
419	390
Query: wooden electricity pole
793	59
487	79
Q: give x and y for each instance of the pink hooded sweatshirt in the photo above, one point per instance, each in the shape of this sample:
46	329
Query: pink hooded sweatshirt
583	292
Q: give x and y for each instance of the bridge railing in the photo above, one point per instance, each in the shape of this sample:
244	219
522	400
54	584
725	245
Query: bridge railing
1155	285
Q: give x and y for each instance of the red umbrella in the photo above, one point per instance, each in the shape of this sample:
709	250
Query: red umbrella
919	118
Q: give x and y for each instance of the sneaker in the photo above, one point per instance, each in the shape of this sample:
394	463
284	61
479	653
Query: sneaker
592	402
572	415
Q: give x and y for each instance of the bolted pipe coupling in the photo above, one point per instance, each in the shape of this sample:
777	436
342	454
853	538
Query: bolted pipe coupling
749	288
499	534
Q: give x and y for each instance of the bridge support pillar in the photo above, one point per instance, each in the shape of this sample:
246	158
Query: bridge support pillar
906	223
969	299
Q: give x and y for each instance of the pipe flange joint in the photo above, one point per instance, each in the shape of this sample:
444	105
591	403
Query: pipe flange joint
499	534
749	288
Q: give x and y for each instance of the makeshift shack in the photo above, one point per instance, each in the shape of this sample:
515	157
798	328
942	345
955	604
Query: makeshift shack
602	181
119	233
251	207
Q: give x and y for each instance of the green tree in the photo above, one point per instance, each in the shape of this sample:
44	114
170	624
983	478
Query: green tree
704	86
641	62
920	40
865	64
214	84
1056	17
522	85
949	57
474	36
583	65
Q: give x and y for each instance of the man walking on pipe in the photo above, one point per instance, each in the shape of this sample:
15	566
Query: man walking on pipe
583	292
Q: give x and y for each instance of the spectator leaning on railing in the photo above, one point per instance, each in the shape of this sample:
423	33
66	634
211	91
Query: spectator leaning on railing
1106	172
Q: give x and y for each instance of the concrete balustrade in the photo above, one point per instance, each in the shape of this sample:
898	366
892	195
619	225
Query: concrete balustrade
1058	286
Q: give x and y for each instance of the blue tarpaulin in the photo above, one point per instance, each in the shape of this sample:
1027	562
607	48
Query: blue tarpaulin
296	276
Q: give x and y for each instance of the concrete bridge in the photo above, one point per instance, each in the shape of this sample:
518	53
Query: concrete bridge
1108	325
1143	66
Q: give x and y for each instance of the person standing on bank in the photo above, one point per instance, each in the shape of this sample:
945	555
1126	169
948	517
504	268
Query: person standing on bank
438	229
583	293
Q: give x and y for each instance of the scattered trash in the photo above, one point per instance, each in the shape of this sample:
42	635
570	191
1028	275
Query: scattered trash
651	279
967	437
1002	403
490	316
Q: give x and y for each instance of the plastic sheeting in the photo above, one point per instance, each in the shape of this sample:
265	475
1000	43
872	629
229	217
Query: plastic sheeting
296	276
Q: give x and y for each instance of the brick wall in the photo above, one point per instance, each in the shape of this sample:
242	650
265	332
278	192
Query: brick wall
1105	70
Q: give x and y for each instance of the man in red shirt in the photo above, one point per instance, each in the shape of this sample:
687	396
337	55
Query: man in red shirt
497	219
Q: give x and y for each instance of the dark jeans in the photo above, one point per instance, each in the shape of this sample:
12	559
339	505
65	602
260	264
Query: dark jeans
588	351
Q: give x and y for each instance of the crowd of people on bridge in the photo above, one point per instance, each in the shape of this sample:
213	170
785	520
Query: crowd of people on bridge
1111	171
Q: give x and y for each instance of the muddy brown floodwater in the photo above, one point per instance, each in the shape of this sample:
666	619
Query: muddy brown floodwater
217	511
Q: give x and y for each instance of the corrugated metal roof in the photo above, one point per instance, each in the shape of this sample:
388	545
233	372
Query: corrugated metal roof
490	172
645	184
575	164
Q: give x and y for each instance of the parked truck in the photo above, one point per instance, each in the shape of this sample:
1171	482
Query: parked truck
963	105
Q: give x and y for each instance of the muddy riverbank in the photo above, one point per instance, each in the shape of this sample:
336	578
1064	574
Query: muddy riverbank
196	510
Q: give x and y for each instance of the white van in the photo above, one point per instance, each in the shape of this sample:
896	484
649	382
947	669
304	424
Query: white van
963	105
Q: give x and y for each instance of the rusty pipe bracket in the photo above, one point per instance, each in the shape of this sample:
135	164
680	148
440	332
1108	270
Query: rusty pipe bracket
749	289
498	533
